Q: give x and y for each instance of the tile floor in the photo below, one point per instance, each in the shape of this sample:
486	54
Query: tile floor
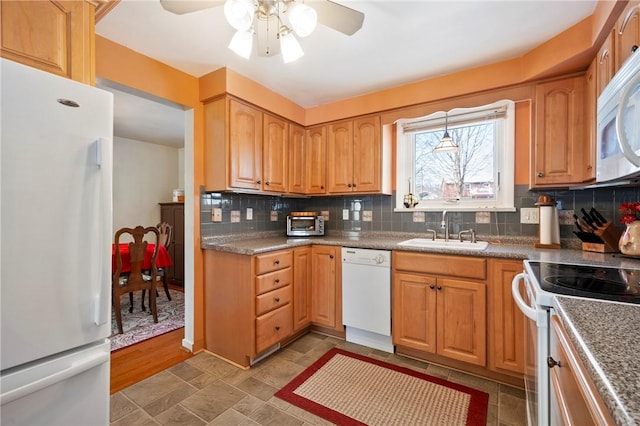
207	391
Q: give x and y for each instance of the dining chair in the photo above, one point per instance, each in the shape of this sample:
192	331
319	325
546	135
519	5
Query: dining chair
165	231
137	278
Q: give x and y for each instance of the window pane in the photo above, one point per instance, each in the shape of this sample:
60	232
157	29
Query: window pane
466	174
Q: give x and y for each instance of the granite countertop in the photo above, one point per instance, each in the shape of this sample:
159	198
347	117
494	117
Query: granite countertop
604	333
607	338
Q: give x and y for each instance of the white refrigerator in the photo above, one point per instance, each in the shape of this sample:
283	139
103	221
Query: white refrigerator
55	249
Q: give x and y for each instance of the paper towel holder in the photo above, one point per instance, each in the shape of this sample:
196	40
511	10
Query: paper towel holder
551	241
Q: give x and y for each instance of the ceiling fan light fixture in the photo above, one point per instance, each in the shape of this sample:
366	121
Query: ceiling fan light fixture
240	13
303	19
289	46
242	43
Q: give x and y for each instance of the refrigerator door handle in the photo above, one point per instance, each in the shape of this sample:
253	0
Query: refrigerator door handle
102	312
73	370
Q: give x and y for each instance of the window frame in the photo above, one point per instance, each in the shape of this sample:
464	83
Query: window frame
504	157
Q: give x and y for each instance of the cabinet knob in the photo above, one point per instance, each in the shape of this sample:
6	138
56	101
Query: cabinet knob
258	182
277	280
552	362
277	328
354	185
267	183
330	256
439	287
277	262
321	186
277	299
540	174
432	286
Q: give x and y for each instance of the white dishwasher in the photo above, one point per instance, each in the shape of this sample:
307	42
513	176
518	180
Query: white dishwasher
366	297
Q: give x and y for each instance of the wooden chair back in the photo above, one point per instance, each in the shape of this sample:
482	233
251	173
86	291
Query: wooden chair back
166	234
138	278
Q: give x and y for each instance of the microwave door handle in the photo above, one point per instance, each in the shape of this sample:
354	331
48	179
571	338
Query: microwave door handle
517	297
622	142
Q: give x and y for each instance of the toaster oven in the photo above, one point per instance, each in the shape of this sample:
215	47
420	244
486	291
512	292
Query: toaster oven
304	224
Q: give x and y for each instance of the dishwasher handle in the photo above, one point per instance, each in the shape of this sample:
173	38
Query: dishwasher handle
517	297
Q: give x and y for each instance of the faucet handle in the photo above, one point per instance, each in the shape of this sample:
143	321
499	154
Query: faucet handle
433	234
471	232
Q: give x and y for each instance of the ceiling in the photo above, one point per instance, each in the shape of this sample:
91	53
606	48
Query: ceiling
400	42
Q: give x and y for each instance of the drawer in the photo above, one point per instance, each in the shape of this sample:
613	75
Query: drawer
273	261
274	299
273	280
454	266
273	327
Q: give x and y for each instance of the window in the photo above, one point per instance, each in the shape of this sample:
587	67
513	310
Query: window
478	176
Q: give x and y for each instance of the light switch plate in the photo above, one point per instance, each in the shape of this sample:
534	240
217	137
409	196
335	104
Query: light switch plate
274	216
367	216
216	214
565	217
529	215
235	216
325	214
249	213
483	217
345	214
418	216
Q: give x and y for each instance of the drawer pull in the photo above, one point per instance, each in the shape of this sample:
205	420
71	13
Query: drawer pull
277	262
277	299
552	362
277	328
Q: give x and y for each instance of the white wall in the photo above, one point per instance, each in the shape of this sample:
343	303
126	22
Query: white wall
144	175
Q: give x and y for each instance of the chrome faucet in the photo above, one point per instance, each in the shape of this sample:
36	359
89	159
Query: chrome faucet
445	225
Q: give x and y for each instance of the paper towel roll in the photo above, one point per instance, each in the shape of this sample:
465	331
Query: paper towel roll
549	226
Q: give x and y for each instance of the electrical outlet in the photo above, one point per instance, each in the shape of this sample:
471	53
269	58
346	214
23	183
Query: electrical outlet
249	213
565	217
529	215
216	215
274	216
367	216
325	214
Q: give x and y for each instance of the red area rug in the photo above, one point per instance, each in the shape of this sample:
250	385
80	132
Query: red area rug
351	389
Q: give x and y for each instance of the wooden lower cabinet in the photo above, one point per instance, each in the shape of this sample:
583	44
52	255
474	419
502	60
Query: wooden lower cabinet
301	288
506	321
326	288
438	314
574	399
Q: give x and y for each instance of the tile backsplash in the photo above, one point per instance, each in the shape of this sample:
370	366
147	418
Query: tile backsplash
375	212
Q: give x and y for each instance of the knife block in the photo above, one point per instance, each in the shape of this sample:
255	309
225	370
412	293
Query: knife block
609	234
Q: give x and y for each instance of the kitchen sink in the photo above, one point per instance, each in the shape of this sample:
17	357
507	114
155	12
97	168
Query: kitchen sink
442	244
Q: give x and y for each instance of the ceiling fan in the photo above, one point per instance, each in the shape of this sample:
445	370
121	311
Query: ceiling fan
274	22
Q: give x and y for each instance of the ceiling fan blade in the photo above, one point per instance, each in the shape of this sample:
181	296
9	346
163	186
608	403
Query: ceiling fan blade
340	18
180	7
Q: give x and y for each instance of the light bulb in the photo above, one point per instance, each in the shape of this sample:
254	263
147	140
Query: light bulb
239	13
242	43
303	19
289	46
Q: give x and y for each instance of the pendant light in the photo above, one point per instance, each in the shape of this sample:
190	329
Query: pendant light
446	144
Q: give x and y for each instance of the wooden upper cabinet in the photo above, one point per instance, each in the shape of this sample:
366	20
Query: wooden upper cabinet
367	154
606	63
558	158
340	157
316	160
54	36
297	159
355	157
275	154
627	32
590	121
245	146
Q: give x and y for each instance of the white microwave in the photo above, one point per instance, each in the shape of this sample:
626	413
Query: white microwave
618	154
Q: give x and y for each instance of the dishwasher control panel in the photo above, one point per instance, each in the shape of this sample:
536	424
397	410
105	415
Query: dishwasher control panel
366	256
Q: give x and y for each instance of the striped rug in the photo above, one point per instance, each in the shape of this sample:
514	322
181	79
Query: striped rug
351	389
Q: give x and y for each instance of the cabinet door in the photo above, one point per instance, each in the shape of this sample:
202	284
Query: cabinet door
414	311
173	214
245	146
297	159
606	62
628	32
558	156
316	160
54	36
590	121
367	155
340	157
506	340
275	154
324	295
462	320
301	287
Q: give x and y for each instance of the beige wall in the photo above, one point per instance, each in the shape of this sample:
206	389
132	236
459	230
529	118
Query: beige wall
144	174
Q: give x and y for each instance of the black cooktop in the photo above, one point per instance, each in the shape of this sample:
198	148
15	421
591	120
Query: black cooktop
594	282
